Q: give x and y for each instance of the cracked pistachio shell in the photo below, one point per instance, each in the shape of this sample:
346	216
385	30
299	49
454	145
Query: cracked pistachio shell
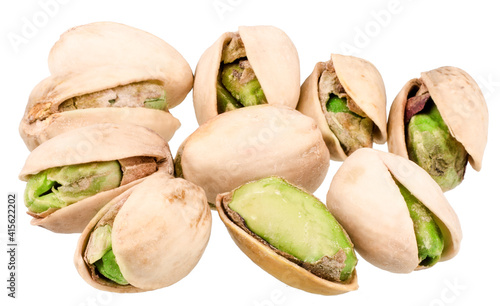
86	59
366	201
460	103
362	82
278	266
101	142
251	143
274	60
158	235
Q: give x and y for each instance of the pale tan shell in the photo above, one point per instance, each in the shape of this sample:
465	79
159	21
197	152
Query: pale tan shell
101	142
252	143
459	101
158	235
278	266
85	60
274	60
366	201
362	82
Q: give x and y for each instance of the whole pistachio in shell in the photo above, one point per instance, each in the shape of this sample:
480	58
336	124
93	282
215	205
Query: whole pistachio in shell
290	234
147	238
71	176
394	212
252	143
107	72
440	122
256	65
346	97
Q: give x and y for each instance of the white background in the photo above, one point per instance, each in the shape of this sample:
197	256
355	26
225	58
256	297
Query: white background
401	38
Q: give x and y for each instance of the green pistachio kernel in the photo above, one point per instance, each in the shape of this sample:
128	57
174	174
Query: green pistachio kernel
297	224
352	130
59	187
225	101
247	92
431	146
157	103
108	267
429	237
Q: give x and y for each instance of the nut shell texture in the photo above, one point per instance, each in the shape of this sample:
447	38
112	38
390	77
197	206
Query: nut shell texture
252	143
366	201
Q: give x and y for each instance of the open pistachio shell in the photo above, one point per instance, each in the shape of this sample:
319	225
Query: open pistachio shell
158	235
252	143
362	82
365	199
280	267
101	142
85	60
274	60
460	103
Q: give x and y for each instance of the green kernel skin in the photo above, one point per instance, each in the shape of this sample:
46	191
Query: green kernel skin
352	130
429	237
431	146
225	101
158	103
264	215
108	267
249	93
62	186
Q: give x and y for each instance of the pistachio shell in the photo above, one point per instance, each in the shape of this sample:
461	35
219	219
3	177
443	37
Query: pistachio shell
84	61
252	143
459	101
362	82
365	199
101	142
158	235
278	266
276	67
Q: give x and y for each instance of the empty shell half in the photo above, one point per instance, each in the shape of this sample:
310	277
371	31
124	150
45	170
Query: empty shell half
71	176
149	237
395	214
346	97
256	65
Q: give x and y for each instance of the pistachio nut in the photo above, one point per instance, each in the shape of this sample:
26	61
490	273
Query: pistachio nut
290	234
71	176
94	81
149	237
440	122
394	212
256	65
346	97
252	143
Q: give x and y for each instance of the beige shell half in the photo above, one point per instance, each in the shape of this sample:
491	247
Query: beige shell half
366	201
158	235
86	60
252	143
278	266
101	142
460	103
362	82
274	60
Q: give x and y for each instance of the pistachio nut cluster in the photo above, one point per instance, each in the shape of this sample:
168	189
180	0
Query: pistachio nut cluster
394	212
440	121
71	176
290	234
147	238
98	75
252	143
346	97
236	71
